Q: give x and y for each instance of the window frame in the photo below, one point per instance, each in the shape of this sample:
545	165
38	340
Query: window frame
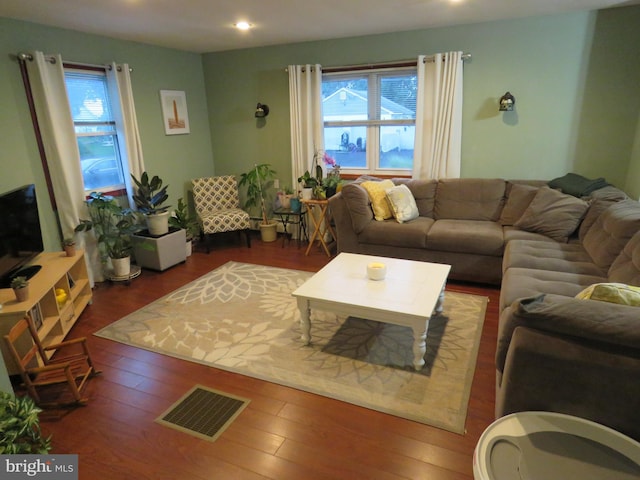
373	123
113	189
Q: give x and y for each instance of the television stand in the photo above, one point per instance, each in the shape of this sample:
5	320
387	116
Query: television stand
28	271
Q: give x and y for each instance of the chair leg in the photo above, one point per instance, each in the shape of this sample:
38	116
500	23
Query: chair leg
247	233
207	241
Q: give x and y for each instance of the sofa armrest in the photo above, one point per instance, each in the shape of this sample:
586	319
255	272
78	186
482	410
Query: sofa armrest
591	320
547	372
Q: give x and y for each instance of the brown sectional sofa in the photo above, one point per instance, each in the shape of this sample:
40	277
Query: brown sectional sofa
555	352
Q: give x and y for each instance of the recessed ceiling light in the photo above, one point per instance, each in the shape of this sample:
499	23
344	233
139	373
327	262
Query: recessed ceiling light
243	25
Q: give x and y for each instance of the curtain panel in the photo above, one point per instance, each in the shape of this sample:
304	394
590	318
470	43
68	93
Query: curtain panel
305	109
438	144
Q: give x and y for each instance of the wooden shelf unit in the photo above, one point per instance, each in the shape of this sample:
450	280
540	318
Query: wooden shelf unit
58	272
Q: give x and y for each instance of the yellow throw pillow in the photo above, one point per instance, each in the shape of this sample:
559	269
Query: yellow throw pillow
378	195
612	293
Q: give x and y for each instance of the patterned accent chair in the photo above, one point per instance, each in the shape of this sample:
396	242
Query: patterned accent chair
217	204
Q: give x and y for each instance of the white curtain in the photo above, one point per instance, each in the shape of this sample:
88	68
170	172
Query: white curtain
305	108
119	84
46	78
438	143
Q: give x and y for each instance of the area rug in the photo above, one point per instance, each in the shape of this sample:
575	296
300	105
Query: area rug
242	318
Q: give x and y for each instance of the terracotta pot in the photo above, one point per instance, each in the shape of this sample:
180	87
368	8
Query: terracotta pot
22	294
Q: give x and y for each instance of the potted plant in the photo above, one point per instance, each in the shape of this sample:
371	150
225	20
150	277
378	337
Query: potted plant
20	287
182	218
284	197
149	198
258	180
113	226
308	184
69	246
20	427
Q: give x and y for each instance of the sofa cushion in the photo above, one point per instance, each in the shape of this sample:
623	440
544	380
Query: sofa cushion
577	185
403	205
526	282
378	196
620	293
424	192
513	233
469	199
412	234
562	257
468	236
519	198
358	205
611	231
626	267
553	213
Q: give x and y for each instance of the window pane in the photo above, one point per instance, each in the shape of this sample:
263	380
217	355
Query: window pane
88	97
396	146
345	99
347	145
398	97
100	162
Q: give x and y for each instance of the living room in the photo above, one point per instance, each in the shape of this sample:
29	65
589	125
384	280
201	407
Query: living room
577	110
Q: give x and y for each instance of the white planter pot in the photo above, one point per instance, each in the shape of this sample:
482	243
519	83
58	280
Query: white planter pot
121	266
307	193
189	246
158	223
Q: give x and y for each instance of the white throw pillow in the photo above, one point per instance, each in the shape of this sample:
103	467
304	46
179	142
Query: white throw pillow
403	205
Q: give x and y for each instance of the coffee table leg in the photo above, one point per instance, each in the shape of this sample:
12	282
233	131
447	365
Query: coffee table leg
305	320
419	344
439	304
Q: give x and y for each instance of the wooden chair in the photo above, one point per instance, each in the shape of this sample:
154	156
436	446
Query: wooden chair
217	204
68	372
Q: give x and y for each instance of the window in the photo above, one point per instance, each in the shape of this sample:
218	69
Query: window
95	129
369	120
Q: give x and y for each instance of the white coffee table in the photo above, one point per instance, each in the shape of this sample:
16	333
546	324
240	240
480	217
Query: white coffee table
408	296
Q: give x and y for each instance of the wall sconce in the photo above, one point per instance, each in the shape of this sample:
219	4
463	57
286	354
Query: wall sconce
262	110
507	101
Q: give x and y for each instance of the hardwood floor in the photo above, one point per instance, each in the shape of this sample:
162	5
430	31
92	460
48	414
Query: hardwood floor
283	433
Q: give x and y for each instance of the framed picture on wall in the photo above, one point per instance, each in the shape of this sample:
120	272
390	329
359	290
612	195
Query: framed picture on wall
174	112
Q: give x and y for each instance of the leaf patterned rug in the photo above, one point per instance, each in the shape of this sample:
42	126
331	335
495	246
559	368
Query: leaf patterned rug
242	318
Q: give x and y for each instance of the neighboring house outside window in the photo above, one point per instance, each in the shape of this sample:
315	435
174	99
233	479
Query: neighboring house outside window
95	129
369	120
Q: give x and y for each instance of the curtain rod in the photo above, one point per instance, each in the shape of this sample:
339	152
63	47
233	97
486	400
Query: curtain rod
373	66
23	57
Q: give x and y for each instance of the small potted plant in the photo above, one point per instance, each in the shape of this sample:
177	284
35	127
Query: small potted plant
149	199
21	434
20	287
69	246
258	180
182	218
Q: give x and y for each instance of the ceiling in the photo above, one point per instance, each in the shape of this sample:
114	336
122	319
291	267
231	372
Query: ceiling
207	25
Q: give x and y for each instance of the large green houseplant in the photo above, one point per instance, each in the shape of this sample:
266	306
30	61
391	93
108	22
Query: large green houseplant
258	181
20	426
112	226
149	197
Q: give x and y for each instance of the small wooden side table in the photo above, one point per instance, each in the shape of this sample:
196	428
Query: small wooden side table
321	223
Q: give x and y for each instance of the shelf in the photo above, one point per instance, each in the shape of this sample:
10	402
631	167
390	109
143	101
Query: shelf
58	272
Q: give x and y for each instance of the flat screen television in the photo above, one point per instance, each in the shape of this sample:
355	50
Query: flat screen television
20	234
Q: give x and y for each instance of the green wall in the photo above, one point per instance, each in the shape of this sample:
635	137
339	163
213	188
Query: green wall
552	65
574	76
175	158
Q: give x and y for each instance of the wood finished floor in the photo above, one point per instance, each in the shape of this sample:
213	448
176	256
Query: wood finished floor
284	434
